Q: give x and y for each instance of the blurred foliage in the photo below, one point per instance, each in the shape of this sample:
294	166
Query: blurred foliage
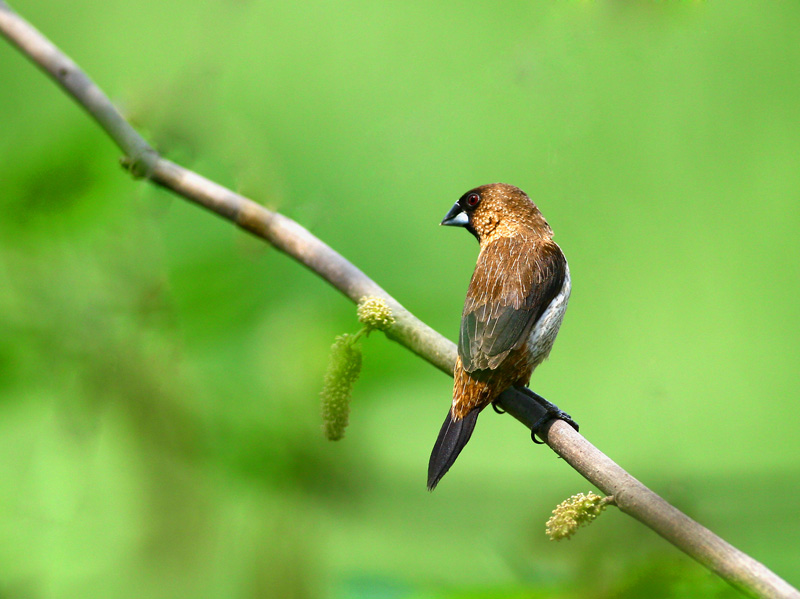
160	371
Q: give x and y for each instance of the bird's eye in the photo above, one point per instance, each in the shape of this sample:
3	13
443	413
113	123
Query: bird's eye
473	199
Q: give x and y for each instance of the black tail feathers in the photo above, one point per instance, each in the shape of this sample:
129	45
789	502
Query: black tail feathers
453	436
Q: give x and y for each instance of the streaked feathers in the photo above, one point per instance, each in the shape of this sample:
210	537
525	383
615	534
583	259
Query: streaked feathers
503	303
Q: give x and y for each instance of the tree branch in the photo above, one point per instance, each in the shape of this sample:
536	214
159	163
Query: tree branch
630	495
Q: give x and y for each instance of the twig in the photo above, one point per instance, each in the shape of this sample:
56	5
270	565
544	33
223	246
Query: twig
630	495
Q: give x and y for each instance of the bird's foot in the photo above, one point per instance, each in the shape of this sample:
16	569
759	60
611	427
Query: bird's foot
539	411
552	412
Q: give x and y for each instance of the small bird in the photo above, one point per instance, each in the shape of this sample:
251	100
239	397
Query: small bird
515	304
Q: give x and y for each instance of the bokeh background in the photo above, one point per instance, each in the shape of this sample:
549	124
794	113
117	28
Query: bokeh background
160	370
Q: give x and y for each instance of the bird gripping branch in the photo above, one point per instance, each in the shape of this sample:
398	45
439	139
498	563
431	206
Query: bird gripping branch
514	307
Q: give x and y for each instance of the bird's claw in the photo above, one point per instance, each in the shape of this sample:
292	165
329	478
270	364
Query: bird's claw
497	408
540	408
553	413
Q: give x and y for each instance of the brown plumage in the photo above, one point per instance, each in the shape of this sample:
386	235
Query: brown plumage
513	310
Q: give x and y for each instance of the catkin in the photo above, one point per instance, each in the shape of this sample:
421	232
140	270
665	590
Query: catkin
344	367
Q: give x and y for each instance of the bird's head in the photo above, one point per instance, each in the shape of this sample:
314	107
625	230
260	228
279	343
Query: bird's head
497	210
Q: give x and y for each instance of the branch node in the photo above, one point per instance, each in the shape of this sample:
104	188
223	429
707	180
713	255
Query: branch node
140	165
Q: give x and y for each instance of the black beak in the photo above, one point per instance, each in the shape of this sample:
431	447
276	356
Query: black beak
456	217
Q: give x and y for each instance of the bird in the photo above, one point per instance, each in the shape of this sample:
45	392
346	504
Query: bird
514	307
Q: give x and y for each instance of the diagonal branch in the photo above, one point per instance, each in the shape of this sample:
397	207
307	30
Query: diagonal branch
631	496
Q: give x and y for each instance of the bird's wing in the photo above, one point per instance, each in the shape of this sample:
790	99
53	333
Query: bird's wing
514	281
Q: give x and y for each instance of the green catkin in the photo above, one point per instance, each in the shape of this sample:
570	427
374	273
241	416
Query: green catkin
344	367
375	313
579	510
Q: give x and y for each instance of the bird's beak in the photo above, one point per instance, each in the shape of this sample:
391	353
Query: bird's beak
456	217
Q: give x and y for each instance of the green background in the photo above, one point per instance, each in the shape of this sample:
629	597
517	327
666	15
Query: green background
160	370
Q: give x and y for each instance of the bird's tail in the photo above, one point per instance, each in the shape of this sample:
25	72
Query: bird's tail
453	436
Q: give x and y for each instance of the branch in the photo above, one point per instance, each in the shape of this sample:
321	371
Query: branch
630	495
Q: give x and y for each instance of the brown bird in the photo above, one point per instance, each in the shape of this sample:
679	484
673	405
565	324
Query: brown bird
515	304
